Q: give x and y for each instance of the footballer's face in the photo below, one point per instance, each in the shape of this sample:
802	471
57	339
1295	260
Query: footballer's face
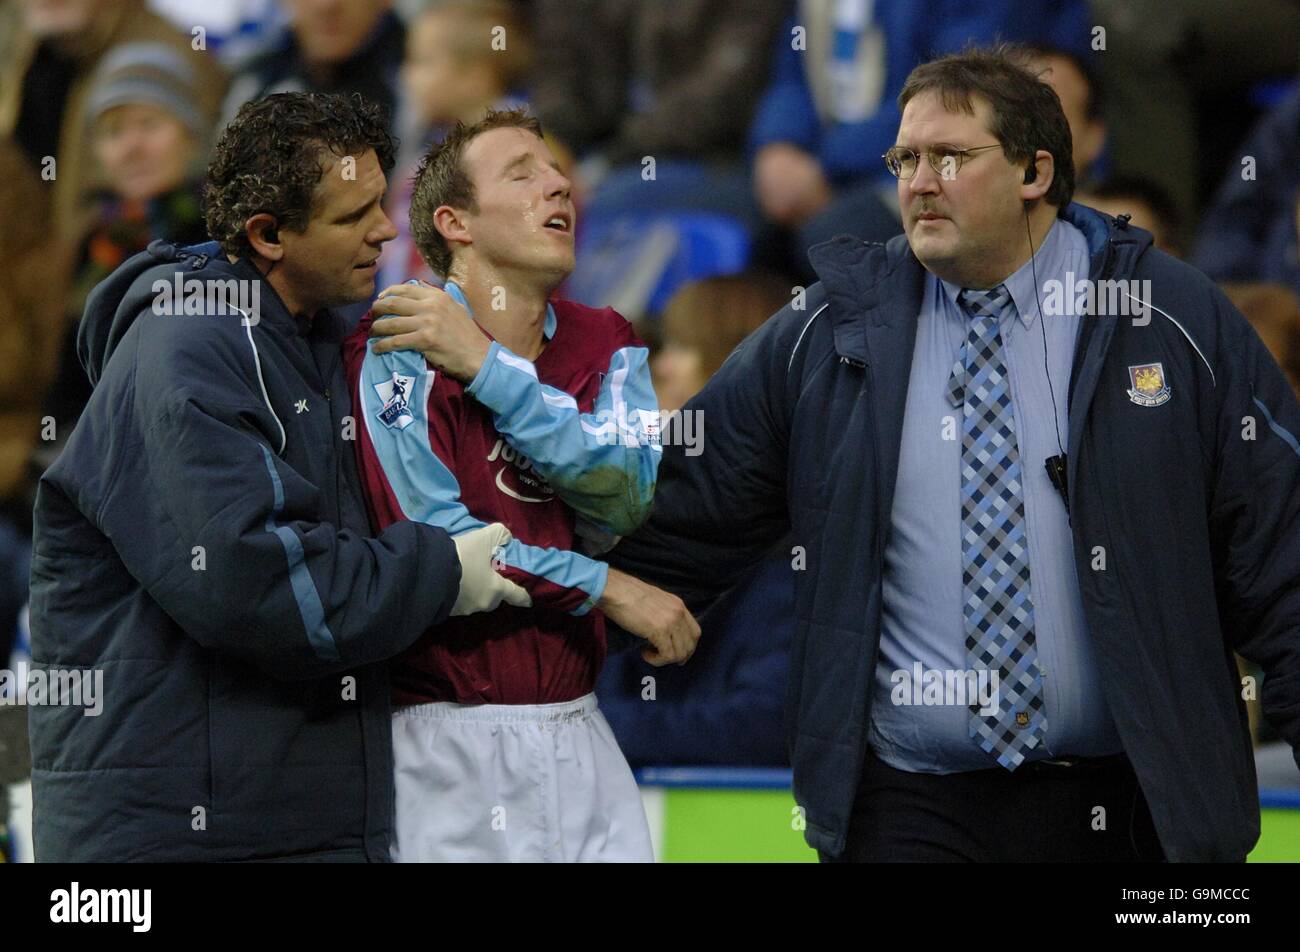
332	261
523	220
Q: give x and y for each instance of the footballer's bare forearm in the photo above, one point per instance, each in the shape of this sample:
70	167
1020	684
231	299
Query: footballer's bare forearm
653	614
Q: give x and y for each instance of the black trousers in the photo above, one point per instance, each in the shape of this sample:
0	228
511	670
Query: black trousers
1038	813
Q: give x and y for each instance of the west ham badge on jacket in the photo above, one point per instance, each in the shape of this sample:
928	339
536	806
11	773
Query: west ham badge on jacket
1149	387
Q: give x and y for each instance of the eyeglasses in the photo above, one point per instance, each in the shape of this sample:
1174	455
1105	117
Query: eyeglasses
946	160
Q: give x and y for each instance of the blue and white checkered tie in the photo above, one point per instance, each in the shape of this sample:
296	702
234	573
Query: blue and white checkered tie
997	607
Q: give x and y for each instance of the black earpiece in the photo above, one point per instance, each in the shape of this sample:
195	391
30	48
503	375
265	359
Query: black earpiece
1031	173
271	235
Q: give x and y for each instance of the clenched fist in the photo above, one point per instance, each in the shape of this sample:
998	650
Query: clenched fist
652	614
427	319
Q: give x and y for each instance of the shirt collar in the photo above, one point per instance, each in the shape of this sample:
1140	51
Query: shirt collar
457	295
1047	259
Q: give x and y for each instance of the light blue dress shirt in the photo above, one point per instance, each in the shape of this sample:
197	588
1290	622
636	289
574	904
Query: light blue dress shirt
922	617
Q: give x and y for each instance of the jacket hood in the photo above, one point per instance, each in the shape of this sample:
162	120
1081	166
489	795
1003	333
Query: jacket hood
118	300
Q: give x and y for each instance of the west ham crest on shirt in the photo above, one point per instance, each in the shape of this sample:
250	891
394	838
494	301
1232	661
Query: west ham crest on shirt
395	393
1149	386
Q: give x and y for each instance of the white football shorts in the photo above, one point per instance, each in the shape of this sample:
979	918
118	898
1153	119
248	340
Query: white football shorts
542	783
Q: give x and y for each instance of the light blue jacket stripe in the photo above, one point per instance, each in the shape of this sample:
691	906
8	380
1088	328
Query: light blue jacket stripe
428	491
304	588
1287	436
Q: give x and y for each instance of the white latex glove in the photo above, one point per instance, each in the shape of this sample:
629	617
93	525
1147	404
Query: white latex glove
481	588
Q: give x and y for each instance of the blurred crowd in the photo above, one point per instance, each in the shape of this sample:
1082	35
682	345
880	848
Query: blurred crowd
710	143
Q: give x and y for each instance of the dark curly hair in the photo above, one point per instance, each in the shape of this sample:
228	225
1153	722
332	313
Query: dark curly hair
442	180
1027	114
271	157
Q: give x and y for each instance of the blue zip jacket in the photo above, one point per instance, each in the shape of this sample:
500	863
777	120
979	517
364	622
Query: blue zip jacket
1194	505
203	542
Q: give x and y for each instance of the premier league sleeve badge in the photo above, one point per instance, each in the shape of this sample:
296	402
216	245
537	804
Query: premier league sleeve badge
1149	386
395	393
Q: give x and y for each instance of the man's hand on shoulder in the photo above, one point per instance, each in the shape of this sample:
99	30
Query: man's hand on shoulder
427	319
652	614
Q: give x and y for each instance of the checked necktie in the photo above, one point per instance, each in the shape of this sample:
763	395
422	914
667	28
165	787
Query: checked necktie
996	603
